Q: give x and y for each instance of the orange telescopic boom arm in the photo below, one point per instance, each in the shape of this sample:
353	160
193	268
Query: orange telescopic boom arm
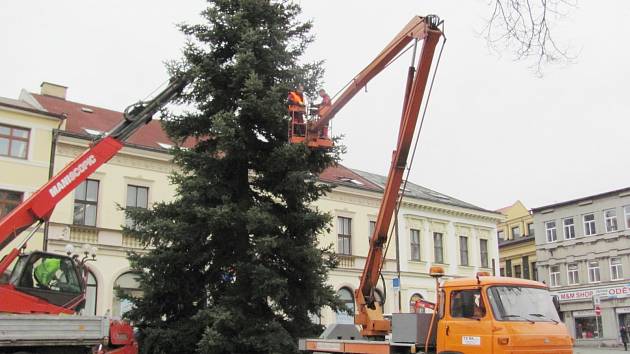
369	314
417	28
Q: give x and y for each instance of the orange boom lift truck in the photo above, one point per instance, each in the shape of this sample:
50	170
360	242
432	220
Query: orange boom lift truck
483	314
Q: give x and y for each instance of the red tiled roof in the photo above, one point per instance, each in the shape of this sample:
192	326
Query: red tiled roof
103	120
340	174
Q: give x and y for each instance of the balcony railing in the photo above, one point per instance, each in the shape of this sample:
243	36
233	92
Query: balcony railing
84	234
131	242
345	261
90	235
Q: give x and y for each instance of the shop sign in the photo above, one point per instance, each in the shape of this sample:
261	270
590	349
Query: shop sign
613	292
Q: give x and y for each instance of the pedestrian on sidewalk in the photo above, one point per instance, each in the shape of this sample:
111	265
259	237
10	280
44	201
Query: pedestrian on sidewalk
624	337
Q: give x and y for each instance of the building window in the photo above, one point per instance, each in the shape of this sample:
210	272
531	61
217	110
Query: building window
525	262
593	272
554	276
626	212
8	201
371	227
346	313
517	271
483	252
90	295
500	235
438	247
550	229
588	327
137	197
128	284
530	229
414	303
414	238
572	274
502	271
610	220
85	203
616	272
344	232
508	267
463	250
516	232
589	224
569	228
534	272
14	141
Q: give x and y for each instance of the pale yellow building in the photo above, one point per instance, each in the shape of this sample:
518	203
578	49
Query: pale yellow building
517	246
26	131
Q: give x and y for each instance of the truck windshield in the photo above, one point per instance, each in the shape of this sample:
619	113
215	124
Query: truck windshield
515	303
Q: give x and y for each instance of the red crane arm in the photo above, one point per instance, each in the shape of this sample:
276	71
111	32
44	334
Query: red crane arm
369	314
42	203
417	28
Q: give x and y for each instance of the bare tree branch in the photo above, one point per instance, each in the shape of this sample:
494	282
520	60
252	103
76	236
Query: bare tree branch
524	28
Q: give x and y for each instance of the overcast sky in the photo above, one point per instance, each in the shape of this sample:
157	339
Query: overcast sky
494	132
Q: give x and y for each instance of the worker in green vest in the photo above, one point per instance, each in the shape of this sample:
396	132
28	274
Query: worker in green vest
45	271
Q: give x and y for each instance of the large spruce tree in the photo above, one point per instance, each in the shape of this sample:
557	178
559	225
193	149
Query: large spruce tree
233	264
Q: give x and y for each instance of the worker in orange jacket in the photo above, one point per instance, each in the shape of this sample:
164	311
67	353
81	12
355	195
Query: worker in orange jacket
297	108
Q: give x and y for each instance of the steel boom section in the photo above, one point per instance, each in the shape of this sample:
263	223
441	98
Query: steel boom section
371	321
417	28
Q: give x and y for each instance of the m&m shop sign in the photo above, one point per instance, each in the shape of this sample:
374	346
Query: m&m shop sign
608	292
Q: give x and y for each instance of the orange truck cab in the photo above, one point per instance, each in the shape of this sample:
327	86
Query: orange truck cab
498	315
479	315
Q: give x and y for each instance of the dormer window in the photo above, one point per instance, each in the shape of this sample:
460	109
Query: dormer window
93	132
350	180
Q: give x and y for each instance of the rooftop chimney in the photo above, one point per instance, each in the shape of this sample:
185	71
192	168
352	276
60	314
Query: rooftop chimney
50	89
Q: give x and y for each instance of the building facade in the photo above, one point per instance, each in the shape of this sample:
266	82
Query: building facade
432	228
583	249
517	247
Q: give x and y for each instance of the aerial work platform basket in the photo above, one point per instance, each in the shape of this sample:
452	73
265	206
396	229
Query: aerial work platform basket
302	131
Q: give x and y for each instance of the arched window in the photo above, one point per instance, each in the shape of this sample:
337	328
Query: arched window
127	283
345	295
412	303
91	295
